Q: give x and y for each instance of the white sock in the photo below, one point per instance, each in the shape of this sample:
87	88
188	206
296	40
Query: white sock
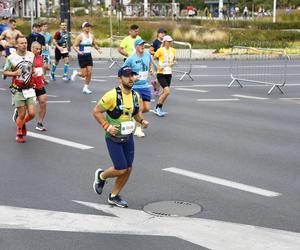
86	86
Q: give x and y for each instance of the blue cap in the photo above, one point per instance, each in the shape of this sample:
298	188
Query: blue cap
126	71
139	41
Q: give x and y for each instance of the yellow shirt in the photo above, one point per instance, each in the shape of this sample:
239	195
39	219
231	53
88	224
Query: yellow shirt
128	44
109	102
165	57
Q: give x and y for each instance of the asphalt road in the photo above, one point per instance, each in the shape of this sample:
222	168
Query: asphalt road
241	135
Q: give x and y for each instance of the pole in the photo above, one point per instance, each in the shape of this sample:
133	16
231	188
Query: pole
220	9
274	11
32	9
145	8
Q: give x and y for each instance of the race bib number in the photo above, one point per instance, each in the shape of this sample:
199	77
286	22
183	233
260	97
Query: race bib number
127	127
39	71
28	93
12	50
64	51
143	75
167	70
87	50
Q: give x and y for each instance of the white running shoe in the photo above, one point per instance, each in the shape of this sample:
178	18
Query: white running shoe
86	91
74	74
139	132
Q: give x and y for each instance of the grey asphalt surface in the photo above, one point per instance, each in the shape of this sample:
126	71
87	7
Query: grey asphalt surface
254	142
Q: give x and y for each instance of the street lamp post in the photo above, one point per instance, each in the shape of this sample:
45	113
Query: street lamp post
274	11
32	9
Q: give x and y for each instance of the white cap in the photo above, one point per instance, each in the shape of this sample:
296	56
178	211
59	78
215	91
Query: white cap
86	24
167	38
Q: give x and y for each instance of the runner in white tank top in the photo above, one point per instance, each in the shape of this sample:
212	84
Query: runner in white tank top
83	46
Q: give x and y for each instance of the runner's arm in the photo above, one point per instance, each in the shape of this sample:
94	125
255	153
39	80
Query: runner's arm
98	115
76	45
122	51
139	117
96	46
3	35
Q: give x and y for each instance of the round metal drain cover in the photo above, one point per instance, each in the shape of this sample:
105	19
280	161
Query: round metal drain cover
172	208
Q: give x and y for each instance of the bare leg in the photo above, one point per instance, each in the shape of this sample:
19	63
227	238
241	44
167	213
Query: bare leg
42	112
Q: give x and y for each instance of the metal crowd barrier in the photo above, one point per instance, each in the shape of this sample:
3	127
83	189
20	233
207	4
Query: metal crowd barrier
184	59
259	65
115	57
183	56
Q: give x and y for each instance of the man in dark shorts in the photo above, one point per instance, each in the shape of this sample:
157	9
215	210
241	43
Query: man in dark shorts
61	41
38	79
83	44
156	44
35	36
121	105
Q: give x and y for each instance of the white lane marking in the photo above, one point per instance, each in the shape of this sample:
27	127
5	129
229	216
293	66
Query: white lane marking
290	98
223	182
93	101
68	101
251	97
2	89
218	100
136	222
98	80
192	90
59	141
52	95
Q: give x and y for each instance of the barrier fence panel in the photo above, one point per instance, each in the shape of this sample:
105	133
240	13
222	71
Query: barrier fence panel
115	57
184	59
259	65
183	56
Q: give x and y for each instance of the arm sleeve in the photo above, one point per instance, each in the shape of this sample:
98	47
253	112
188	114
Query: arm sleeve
106	101
123	43
157	53
57	35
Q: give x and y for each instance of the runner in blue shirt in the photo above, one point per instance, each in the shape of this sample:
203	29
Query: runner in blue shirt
141	62
46	50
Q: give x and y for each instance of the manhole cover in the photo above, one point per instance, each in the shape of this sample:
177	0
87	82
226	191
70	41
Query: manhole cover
172	208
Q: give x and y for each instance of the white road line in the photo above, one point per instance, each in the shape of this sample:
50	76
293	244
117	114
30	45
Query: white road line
59	141
192	90
98	80
206	233
2	89
251	97
93	101
222	182
59	101
218	100
52	95
290	98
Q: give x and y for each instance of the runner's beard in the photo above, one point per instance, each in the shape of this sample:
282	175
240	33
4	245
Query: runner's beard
127	86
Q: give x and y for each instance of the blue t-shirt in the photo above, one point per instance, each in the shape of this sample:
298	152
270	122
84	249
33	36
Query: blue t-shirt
48	41
3	27
140	65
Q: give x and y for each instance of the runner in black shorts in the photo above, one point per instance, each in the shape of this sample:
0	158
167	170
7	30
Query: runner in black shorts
61	41
83	45
166	56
